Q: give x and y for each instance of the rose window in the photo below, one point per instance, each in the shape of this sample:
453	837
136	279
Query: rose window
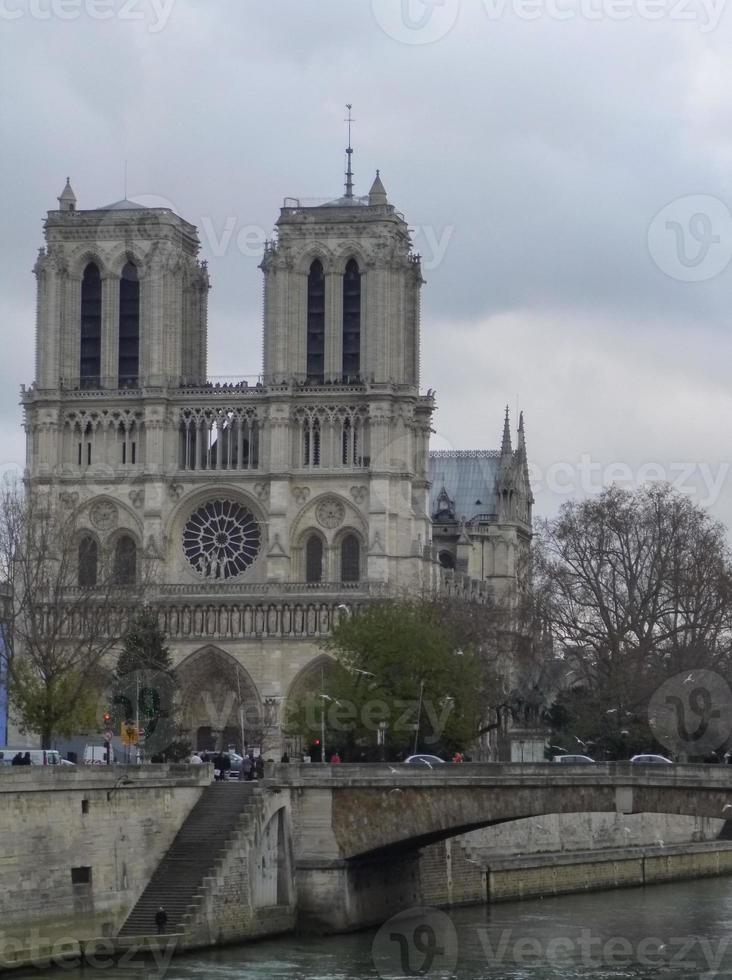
221	539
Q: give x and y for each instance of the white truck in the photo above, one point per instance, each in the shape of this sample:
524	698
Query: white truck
96	755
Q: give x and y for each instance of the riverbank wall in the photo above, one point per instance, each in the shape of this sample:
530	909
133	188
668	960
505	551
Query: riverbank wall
451	875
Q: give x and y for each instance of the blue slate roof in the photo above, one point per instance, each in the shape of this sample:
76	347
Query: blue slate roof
469	478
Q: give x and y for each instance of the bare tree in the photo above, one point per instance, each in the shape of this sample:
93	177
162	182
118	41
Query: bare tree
637	586
518	671
65	614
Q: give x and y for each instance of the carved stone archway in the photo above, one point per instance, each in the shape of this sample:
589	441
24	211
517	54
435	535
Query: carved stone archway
219	702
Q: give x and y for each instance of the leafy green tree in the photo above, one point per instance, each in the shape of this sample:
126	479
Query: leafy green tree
395	666
145	686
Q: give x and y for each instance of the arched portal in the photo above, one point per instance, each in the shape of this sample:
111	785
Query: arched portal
219	702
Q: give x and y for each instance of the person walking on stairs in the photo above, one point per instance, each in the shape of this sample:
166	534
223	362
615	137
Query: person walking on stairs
161	920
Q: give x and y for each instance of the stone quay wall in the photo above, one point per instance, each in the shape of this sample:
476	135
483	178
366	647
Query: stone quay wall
451	876
80	845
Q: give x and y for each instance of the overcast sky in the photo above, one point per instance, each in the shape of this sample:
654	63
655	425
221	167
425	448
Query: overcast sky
566	166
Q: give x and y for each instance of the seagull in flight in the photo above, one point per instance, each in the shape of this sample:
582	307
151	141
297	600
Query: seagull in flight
329	698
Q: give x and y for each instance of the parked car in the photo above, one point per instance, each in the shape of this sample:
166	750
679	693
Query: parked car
649	760
424	760
573	760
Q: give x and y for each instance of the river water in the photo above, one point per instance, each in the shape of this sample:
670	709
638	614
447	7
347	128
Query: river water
674	931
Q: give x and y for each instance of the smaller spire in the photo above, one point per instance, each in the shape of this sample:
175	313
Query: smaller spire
521	435
377	194
506	448
67	198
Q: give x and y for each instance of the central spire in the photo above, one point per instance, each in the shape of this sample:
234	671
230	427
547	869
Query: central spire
349	156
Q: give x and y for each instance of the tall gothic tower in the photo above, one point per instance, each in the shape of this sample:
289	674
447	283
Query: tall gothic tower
251	512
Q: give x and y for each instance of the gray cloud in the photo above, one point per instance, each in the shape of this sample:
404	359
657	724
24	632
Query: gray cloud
536	151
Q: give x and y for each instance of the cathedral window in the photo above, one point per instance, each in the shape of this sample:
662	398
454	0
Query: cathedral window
316	324
311	444
129	327
447	559
349	440
221	539
314	559
350	559
88	562
125	561
90	350
352	321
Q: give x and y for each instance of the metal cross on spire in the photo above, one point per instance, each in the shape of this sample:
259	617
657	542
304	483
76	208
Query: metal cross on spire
349	154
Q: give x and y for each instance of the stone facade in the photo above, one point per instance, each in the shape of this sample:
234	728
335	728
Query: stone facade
254	511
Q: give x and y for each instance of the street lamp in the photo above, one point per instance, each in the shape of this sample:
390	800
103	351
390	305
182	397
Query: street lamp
324	697
419	715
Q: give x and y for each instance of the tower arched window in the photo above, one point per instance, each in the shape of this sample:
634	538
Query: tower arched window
447	560
125	561
350	559
88	562
352	320
128	368
314	559
90	346
316	323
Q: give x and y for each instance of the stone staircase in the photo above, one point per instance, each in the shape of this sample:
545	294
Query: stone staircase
201	843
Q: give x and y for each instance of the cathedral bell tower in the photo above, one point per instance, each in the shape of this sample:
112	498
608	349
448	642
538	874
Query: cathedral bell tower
341	343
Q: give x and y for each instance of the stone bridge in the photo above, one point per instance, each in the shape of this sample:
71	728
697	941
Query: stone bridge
357	829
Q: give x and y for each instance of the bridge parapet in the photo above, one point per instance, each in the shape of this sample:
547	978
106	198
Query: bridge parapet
347	776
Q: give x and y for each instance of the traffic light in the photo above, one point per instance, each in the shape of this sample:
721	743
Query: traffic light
316	742
107	717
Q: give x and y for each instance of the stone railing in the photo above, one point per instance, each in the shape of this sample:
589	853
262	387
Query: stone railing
272	589
453	585
254	610
221	620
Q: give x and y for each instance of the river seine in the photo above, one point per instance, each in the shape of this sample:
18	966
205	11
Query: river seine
671	931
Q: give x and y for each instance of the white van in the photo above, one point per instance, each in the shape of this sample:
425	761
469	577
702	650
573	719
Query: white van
38	757
96	755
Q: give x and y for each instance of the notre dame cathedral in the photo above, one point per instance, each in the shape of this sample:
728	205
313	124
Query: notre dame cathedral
267	507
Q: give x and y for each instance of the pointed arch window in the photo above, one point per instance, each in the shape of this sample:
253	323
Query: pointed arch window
311	443
88	562
350	559
314	559
316	323
90	347
352	320
125	561
128	368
